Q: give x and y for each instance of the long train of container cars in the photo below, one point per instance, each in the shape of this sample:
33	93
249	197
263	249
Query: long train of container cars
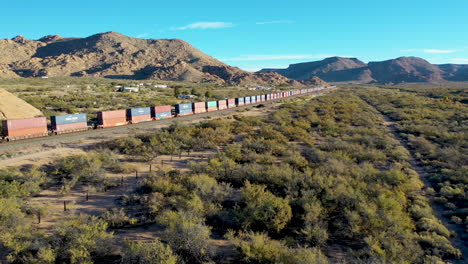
37	127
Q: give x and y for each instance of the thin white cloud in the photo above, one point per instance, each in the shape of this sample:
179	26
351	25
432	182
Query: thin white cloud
279	57
206	25
142	35
459	60
275	22
431	51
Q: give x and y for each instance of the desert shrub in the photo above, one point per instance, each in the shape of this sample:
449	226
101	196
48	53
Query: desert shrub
148	253
259	248
187	235
79	239
262	210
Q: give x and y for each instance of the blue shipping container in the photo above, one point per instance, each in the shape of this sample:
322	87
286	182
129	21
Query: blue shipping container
163	115
68	119
139	111
183	108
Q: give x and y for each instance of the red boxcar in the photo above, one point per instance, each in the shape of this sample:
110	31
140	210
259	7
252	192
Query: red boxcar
199	107
25	128
112	118
222	104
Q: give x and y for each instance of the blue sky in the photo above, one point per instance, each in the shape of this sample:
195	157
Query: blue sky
258	34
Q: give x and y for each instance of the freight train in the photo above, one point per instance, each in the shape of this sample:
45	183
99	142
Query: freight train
18	129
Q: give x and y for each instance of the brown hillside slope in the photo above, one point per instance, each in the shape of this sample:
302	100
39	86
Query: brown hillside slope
12	107
113	55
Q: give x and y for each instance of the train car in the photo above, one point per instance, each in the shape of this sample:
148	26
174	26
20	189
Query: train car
222	104
161	112
267	97
259	98
69	123
138	115
112	118
253	99
240	101
247	100
211	106
199	107
184	109
231	102
15	129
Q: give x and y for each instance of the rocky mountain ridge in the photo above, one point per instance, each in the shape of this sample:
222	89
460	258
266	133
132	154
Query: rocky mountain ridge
399	70
113	55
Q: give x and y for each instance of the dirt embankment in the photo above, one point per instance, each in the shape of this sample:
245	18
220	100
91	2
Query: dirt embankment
12	107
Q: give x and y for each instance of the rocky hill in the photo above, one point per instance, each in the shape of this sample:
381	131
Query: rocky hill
403	69
113	55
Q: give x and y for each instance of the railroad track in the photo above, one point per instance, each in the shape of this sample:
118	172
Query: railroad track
128	129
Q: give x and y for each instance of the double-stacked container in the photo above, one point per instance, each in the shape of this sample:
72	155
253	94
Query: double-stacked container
112	118
199	107
247	100
212	106
240	101
161	112
184	109
24	128
222	104
267	97
259	98
69	123
273	96
253	99
138	115
231	103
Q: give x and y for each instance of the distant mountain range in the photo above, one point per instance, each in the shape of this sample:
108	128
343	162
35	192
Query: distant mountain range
113	55
399	70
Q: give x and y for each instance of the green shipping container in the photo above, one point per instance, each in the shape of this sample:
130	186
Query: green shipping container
211	104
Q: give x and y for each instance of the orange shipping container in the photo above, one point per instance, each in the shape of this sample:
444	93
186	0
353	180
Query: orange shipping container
112	118
199	107
24	128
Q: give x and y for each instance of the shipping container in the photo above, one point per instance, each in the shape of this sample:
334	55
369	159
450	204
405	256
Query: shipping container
253	99
161	112
211	106
138	115
112	118
164	115
240	101
184	109
268	97
69	123
72	127
259	98
231	102
68	119
199	107
24	128
247	100
222	104
139	111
